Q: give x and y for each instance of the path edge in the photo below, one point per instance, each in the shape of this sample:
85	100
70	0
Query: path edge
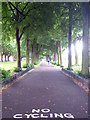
80	81
14	77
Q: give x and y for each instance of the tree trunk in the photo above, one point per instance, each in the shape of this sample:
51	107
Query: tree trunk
1	57
70	36
8	57
18	39
37	51
57	46
27	50
18	48
34	57
35	54
54	59
5	58
60	53
85	39
76	55
32	61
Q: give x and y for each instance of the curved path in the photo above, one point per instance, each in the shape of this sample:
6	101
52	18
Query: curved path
47	93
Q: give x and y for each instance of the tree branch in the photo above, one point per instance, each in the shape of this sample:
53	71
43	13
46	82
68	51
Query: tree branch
25	15
25	7
24	28
16	8
11	9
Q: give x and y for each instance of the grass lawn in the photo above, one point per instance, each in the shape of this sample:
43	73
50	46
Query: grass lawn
10	65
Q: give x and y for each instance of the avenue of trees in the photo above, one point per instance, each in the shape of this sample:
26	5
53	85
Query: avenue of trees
45	29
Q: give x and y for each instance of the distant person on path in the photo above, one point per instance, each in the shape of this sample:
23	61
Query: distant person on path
48	60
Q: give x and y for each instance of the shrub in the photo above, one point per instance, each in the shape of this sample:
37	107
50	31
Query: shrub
26	66
17	69
0	74
32	65
58	64
5	73
61	66
69	68
36	63
88	75
54	63
82	75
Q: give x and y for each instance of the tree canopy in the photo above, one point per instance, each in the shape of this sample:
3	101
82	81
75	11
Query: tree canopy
42	28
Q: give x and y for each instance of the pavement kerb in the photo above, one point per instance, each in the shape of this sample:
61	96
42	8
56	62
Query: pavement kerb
4	87
80	84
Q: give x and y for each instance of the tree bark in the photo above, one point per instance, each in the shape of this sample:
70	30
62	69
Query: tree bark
27	50
35	55
18	48
57	47
32	61
75	50
8	58
70	36
17	38
85	70
5	58
60	53
37	51
1	57
54	58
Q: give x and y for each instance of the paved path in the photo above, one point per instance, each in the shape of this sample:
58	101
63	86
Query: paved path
46	89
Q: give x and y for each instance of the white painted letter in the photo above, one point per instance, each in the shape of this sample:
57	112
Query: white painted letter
51	115
32	115
17	116
58	115
45	110
42	116
68	115
28	115
35	115
34	110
